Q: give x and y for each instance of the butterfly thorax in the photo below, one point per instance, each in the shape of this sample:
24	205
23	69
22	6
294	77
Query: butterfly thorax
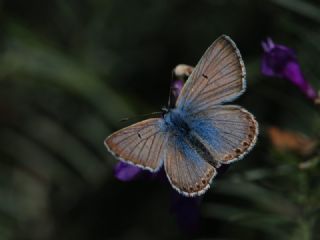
176	121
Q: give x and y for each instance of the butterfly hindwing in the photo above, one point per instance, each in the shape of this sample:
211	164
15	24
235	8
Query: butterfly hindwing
218	77
141	144
227	131
187	171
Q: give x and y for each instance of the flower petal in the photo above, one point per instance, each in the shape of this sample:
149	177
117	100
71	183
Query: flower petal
294	73
281	61
126	172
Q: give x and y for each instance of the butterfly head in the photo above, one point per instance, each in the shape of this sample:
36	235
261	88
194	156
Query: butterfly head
164	111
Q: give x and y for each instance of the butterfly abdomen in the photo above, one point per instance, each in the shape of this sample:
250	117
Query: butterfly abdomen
201	149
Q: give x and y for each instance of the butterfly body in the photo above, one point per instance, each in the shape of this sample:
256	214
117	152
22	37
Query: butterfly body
199	133
183	130
176	122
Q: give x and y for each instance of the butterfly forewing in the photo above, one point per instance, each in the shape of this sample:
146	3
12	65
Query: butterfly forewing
218	77
141	144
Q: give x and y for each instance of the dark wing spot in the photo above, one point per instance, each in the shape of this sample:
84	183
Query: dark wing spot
246	144
205	76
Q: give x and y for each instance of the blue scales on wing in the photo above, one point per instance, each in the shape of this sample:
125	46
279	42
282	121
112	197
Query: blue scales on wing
227	131
187	172
188	165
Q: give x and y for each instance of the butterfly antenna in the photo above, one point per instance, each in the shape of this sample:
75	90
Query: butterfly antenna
139	116
170	88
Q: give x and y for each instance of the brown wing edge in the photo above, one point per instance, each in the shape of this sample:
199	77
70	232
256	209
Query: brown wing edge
243	69
153	170
197	188
252	136
193	193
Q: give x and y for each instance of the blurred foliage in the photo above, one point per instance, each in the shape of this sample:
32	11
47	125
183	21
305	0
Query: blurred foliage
70	70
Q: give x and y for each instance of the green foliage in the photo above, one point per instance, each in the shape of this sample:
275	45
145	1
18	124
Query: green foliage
70	70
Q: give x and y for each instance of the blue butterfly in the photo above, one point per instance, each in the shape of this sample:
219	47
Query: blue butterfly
197	135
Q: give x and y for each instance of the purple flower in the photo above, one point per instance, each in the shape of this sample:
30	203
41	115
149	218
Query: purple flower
176	88
126	172
281	61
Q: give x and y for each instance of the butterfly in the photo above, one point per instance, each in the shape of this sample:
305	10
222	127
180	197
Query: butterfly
200	132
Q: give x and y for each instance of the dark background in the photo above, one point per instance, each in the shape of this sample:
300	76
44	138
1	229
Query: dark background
70	70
